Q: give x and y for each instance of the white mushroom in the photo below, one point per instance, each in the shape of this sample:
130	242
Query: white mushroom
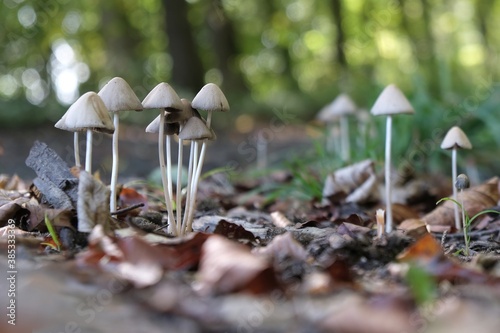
118	96
390	102
455	139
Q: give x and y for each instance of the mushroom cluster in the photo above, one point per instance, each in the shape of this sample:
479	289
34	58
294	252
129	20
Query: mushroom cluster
177	118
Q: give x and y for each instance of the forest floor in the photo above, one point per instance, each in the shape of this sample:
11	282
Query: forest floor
255	263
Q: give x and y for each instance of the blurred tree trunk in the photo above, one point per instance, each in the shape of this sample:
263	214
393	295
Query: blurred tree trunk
225	47
340	39
187	71
484	10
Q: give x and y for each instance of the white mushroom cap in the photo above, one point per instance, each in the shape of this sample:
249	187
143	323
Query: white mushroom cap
154	126
391	101
88	112
456	138
170	128
210	98
118	96
340	106
161	97
195	129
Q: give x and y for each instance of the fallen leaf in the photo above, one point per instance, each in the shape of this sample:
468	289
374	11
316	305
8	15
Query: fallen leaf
93	203
233	231
283	245
227	266
425	248
129	197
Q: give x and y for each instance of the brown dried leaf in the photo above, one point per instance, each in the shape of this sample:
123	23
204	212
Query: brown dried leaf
227	266
93	203
475	200
233	231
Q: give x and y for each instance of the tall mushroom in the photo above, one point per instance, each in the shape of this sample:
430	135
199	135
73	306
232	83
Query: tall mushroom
61	124
87	113
164	97
195	130
455	139
118	96
210	98
339	110
390	102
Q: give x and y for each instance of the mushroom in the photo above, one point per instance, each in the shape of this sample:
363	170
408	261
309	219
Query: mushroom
118	96
339	110
87	113
76	145
454	139
195	130
164	97
390	102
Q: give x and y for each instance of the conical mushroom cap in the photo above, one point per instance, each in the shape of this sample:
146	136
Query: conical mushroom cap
183	116
118	96
161	97
170	128
210	98
88	112
456	138
195	129
341	106
391	101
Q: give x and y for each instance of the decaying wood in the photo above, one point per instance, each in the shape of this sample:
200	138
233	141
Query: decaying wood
54	181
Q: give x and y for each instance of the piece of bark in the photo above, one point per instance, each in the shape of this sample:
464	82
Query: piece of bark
50	168
52	195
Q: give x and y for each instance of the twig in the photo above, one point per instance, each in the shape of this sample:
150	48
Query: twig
127	209
472	233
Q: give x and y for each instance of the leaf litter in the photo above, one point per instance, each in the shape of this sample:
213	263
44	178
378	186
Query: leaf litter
304	267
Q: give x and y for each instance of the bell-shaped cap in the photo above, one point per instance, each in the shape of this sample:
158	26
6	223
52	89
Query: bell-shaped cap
456	138
391	101
170	128
163	96
118	96
195	129
88	112
210	98
341	106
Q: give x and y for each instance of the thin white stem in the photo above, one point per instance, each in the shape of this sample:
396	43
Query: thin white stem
76	148
114	167
88	156
192	196
454	178
388	185
188	188
209	119
466	236
169	165
344	139
196	179
179	189
261	152
161	154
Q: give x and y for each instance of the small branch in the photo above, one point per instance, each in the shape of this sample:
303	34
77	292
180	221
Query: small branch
127	209
478	233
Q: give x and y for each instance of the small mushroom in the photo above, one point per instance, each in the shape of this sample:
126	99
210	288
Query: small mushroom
163	97
339	110
118	96
455	139
195	130
462	183
390	102
87	113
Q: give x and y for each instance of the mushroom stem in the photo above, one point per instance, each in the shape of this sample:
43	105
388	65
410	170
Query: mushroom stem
455	195
169	165
178	195
388	198
344	139
76	148
261	152
114	167
188	188
466	240
88	156
161	154
191	199
194	189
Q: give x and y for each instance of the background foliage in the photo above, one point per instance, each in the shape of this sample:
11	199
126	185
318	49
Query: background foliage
294	55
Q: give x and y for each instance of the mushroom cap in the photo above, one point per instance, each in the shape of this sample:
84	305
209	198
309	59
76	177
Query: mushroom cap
195	129
118	96
183	116
391	101
88	112
170	128
456	138
162	96
210	98
340	106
